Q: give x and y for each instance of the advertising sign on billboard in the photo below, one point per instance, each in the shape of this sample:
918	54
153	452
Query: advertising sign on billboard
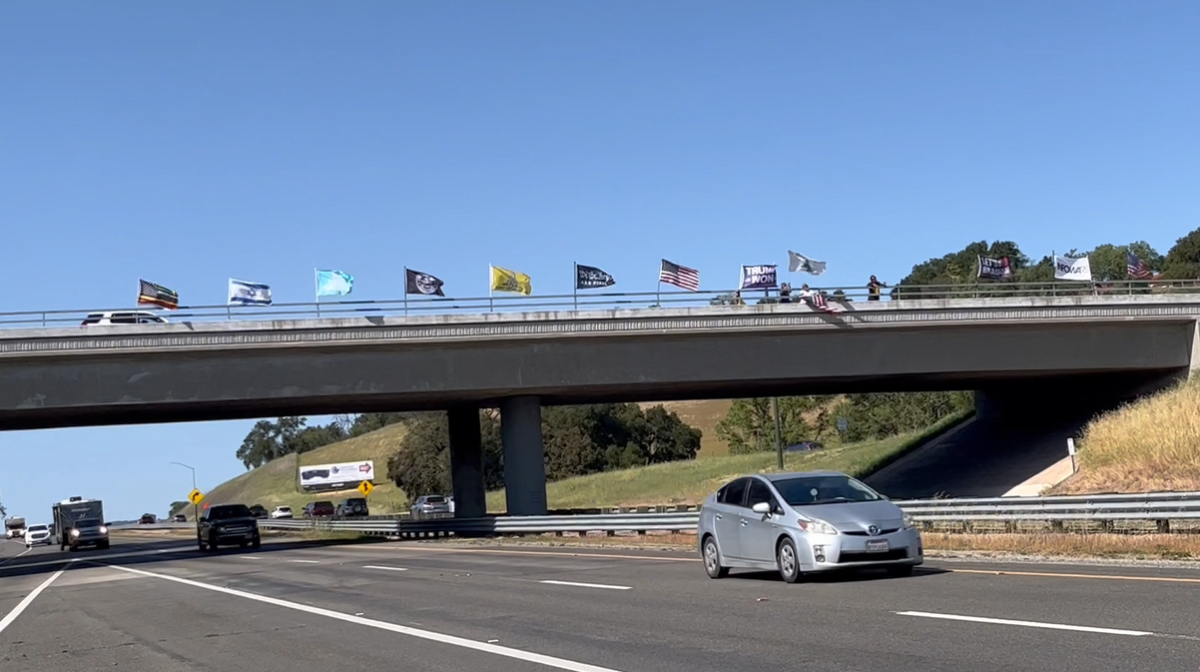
343	476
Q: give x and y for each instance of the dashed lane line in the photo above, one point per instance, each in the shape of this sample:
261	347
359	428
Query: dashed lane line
483	647
586	585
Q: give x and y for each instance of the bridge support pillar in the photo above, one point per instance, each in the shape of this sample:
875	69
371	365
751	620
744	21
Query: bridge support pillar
466	462
524	456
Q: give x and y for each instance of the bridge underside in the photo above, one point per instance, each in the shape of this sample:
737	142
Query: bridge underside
224	384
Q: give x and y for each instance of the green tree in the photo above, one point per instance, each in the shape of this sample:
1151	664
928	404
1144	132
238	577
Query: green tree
1183	259
176	507
749	426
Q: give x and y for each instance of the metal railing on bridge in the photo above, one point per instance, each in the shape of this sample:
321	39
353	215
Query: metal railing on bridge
599	301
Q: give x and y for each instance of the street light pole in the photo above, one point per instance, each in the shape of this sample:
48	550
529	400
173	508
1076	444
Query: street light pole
195	507
778	432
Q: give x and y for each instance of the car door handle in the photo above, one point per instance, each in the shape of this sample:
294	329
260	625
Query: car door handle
717	516
744	523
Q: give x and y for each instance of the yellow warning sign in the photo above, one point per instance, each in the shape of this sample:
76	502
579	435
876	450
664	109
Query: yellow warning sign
365	488
195	496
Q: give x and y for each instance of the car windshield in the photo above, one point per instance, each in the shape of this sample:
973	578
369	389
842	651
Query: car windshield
284	508
824	489
226	512
435	499
88	522
37	528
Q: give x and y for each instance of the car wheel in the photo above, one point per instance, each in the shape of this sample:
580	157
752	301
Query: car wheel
257	542
203	546
212	543
712	560
901	570
788	561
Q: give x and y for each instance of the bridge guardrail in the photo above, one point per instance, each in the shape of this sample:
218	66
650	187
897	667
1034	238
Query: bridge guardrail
596	301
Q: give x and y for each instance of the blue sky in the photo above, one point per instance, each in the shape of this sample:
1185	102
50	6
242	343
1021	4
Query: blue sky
186	144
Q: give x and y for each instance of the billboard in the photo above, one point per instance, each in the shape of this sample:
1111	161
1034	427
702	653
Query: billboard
342	476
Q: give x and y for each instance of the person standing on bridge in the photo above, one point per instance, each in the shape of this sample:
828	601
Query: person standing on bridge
873	288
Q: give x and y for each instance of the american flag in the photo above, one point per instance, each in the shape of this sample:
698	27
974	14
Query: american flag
680	276
1136	268
157	295
818	301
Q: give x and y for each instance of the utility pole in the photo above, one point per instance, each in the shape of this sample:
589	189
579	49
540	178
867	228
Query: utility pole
778	432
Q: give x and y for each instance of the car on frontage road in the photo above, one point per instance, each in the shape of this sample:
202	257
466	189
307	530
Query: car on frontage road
281	512
430	505
801	523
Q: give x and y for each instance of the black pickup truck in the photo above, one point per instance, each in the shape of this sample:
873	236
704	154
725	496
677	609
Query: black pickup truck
227	524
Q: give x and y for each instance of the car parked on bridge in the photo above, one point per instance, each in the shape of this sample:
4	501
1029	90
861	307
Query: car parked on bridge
122	317
805	522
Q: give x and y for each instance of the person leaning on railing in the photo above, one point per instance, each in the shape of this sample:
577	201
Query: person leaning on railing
873	288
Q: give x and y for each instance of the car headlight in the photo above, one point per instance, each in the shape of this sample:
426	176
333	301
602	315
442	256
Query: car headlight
103	530
815	526
909	522
74	533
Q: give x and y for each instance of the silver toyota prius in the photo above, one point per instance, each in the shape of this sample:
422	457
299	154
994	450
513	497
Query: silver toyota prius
804	522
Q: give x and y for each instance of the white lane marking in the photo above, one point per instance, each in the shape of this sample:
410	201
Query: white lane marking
307	562
249	557
1028	624
386	568
527	656
12	615
586	585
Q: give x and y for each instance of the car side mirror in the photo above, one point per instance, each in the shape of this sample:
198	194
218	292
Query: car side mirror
762	508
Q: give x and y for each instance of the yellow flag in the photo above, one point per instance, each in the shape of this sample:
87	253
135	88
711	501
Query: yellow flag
504	280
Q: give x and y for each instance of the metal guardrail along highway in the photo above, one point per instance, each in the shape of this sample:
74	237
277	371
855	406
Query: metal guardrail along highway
598	301
1160	508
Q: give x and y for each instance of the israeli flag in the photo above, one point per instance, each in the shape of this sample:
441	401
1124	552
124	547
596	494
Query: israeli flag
243	293
334	283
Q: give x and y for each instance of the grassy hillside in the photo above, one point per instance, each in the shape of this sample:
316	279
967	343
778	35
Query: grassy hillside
690	482
1150	445
274	483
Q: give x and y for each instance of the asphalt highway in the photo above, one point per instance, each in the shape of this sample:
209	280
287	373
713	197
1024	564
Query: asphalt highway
165	607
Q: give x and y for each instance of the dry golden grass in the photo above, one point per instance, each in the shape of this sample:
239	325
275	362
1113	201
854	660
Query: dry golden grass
704	416
1122	546
1147	446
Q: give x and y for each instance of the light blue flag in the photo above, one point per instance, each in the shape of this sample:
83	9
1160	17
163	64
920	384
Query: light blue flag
334	283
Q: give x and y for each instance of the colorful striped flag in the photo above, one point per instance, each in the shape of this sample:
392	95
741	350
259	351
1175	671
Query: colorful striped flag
679	276
152	294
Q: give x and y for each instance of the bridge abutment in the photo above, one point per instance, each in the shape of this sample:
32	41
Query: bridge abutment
466	462
524	456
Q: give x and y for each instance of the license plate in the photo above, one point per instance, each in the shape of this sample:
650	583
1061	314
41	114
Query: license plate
880	546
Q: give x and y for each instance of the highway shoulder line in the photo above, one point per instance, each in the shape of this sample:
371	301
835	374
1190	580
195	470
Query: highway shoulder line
24	604
495	649
1027	624
1067	575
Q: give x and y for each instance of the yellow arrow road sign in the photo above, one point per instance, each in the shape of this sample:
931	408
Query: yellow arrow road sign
195	496
365	488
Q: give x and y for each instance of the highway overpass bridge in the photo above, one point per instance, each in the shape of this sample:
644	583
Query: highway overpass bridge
1048	347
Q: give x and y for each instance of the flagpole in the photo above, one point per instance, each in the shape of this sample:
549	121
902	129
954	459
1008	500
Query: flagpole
491	303
317	291
575	283
406	291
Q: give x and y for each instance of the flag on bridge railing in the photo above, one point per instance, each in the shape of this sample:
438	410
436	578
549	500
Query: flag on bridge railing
763	276
679	276
152	294
334	283
994	269
416	282
1136	268
816	299
243	293
590	277
504	280
799	262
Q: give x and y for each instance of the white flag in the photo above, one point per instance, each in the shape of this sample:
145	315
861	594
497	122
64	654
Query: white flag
799	262
243	293
1069	268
